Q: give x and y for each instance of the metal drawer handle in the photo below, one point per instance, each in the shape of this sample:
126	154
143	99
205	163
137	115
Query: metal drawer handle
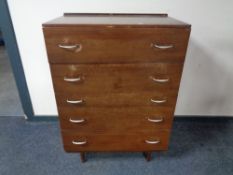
155	120
76	47
72	79
75	101
158	101
160	80
162	46
79	142
152	141
77	120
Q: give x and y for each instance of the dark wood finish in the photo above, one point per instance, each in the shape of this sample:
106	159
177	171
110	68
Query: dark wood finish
116	120
116	61
134	99
115	45
147	156
116	78
148	69
117	20
116	142
82	157
117	14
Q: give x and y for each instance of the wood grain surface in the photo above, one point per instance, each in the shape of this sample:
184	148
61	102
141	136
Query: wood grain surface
110	65
111	45
116	120
116	78
116	142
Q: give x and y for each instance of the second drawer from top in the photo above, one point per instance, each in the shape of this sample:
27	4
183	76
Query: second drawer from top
115	78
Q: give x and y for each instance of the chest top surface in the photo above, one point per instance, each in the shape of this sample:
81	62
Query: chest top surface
116	20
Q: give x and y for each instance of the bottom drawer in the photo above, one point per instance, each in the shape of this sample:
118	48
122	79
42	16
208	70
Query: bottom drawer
121	142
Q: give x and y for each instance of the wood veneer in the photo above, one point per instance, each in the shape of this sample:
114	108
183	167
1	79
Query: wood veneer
116	79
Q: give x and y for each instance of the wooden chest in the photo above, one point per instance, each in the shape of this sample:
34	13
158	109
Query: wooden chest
116	79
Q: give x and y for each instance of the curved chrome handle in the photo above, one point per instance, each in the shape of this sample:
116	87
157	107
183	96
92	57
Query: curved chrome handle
160	80
77	120
152	141
72	79
162	46
79	142
76	47
159	120
75	101
158	101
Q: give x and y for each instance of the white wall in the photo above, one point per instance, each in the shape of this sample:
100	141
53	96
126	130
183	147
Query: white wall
207	82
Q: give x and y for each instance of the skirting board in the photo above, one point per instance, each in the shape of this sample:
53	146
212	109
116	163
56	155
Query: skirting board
176	118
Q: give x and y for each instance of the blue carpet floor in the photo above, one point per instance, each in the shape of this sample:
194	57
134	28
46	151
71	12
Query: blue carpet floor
197	148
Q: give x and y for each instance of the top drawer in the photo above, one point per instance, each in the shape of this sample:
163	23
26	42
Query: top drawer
115	45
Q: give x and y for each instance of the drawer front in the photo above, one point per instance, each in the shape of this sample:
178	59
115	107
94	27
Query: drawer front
115	45
116	120
115	78
79	100
125	142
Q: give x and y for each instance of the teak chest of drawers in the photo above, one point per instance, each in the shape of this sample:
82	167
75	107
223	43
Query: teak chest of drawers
116	78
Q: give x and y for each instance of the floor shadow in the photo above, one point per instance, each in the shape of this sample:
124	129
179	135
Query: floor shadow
116	156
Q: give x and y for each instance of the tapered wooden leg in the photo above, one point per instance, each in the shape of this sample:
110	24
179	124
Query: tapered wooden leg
147	156
82	157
